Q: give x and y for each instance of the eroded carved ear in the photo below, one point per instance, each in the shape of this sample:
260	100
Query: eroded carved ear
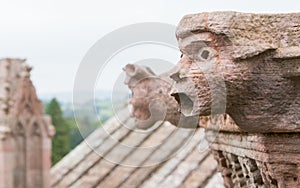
251	50
289	58
287	53
135	73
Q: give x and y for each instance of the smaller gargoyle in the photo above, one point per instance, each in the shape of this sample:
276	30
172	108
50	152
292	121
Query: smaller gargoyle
151	100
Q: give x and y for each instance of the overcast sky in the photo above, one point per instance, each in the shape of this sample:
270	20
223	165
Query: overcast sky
54	35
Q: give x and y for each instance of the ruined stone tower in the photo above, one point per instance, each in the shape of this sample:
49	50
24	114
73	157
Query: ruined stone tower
25	132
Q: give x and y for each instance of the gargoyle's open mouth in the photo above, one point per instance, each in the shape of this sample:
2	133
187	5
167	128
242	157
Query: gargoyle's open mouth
185	103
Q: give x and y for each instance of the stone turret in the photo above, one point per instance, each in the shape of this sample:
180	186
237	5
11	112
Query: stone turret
25	132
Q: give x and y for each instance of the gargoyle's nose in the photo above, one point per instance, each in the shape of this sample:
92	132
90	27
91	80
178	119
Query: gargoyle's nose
184	93
175	76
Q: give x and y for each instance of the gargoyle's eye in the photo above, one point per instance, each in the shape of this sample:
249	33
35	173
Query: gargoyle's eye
205	54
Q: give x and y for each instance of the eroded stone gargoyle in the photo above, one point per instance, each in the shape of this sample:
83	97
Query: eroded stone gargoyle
255	56
151	100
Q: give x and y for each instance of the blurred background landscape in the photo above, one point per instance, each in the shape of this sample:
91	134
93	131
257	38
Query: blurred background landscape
68	135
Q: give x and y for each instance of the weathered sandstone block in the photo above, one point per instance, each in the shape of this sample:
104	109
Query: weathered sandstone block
247	64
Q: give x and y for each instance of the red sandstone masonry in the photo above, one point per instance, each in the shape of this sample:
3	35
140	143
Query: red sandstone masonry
25	132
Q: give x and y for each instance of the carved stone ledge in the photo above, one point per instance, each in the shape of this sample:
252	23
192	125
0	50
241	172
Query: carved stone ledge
250	160
238	171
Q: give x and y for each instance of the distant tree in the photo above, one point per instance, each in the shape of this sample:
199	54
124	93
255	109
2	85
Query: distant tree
75	135
61	139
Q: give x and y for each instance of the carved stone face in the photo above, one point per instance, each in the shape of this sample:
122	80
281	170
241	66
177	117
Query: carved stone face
197	79
258	92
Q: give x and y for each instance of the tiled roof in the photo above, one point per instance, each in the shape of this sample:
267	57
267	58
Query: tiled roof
185	165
